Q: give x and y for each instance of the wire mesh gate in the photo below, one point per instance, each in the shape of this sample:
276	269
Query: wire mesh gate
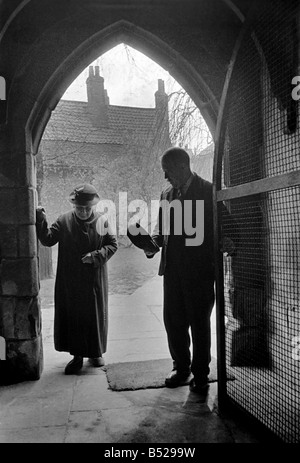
257	176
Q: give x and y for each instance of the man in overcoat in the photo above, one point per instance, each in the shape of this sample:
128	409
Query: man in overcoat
185	234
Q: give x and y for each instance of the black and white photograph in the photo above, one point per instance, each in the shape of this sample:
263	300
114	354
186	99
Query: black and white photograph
149	225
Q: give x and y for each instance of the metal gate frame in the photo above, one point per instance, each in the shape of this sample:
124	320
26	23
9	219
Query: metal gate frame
220	194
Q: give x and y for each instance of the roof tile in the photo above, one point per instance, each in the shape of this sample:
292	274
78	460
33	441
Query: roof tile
70	121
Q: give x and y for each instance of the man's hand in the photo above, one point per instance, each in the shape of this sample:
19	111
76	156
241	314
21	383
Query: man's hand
40	214
149	254
87	259
228	247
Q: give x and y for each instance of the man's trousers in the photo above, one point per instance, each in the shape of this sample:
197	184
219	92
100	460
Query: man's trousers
188	303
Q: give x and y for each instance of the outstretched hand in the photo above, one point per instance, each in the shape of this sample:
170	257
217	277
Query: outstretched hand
228	247
40	214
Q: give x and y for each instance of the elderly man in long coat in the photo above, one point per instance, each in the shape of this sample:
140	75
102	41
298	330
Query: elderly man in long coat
85	243
188	269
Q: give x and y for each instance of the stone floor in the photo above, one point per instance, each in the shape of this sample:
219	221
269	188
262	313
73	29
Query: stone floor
82	409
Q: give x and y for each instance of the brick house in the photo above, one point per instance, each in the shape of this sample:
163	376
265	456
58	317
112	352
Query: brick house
116	148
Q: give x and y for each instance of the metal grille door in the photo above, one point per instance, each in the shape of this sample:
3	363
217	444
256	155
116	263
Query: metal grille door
257	177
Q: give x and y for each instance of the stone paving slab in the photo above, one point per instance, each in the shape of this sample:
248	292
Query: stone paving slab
99	396
32	435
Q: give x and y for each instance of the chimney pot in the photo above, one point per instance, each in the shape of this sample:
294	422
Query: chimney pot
161	98
161	86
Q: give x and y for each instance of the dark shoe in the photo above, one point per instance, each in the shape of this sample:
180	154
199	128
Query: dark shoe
97	361
177	378
74	366
199	387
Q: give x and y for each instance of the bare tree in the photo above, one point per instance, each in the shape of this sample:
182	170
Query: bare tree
187	126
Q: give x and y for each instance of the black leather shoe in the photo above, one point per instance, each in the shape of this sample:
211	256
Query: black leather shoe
74	366
177	378
199	387
97	361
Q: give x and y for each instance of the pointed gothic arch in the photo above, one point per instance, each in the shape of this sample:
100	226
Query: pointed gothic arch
144	41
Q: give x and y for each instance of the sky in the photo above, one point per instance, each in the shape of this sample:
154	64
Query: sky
130	78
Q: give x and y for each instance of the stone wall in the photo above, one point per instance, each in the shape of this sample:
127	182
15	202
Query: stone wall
68	164
20	316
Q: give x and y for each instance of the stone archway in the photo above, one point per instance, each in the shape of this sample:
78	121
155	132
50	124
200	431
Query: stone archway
44	45
138	38
44	57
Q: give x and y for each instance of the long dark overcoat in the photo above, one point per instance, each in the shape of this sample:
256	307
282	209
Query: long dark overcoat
81	290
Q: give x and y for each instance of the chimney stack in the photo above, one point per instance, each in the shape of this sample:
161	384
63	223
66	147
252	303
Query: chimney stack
161	98
162	110
97	98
